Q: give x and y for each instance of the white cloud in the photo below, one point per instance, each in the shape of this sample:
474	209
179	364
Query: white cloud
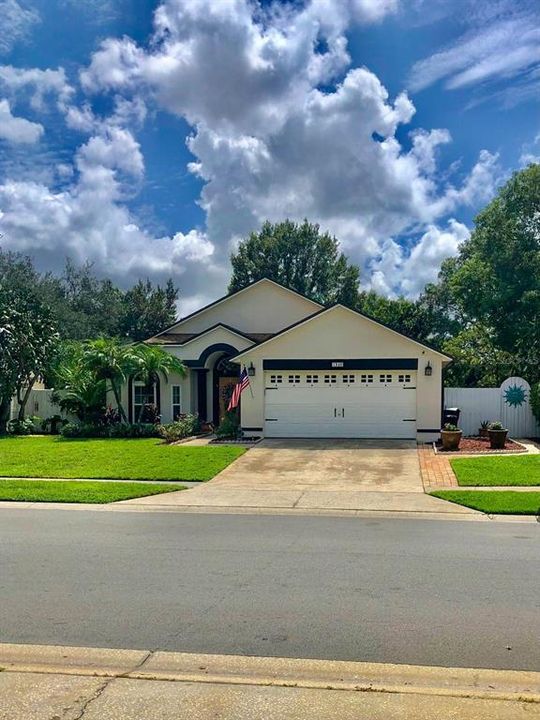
86	221
268	142
397	271
38	84
17	130
505	47
17	22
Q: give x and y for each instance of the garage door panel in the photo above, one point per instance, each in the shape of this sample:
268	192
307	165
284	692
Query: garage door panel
344	407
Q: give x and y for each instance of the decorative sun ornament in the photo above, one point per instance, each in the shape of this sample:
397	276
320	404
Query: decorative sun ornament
514	395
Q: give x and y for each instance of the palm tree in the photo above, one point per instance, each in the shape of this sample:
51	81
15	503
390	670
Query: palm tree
152	361
112	362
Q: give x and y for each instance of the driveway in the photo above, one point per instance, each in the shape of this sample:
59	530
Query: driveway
317	475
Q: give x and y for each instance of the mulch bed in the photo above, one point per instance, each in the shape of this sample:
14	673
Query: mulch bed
474	445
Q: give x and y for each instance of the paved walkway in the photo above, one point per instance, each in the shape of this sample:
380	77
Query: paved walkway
325	475
43	682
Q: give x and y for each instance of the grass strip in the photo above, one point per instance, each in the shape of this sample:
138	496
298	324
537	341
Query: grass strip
502	470
66	491
126	459
495	502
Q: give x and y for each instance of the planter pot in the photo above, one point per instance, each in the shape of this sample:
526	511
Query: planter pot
451	439
497	439
483	432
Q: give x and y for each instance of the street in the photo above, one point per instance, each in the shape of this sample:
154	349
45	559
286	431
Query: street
425	592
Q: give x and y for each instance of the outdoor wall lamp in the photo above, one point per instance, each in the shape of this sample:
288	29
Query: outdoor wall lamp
251	370
428	370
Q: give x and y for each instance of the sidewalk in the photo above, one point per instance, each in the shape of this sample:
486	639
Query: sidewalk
45	682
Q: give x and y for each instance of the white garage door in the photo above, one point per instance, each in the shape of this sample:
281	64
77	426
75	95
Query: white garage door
353	404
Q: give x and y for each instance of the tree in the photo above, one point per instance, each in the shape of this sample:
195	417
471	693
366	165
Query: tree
153	362
299	257
86	307
28	339
77	390
112	363
146	310
494	282
410	317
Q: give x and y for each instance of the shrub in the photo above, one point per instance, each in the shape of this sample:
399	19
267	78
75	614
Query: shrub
228	427
133	430
496	426
119	430
450	427
28	426
185	426
53	424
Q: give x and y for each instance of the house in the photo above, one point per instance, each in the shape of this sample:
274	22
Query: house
314	371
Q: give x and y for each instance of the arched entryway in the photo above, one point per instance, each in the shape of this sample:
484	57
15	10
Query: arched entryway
217	375
225	377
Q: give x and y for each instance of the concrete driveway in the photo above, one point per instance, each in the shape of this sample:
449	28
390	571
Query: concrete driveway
369	465
316	475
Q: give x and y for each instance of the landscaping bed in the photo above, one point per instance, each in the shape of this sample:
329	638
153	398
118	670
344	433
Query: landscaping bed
475	445
502	502
497	471
66	491
129	459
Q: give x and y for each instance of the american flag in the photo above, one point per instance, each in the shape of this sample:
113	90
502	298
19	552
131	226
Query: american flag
241	385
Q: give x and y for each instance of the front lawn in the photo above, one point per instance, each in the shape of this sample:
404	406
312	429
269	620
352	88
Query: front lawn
140	459
504	502
523	470
65	491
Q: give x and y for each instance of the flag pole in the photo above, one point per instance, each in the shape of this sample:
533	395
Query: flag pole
250	388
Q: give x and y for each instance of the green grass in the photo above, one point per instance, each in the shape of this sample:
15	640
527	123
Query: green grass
503	502
140	459
517	470
65	491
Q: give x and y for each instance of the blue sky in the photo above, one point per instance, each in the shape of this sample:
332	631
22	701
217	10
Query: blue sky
150	142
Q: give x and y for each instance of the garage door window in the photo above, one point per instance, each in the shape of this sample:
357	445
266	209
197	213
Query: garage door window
330	379
366	378
276	379
385	378
348	379
404	378
294	379
312	379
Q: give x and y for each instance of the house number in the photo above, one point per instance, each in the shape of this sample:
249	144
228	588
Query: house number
337	364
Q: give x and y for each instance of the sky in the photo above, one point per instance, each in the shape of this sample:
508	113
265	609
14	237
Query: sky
150	136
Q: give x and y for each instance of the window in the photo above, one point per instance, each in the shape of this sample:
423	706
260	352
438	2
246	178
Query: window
312	379
404	378
330	379
348	379
142	395
276	379
366	378
384	378
176	401
294	379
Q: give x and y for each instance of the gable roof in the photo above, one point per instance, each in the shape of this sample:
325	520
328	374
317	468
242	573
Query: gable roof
167	331
330	308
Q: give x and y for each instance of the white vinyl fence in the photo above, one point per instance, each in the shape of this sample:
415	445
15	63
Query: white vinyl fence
39	403
508	403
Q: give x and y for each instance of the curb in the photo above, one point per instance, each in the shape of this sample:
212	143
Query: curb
508	685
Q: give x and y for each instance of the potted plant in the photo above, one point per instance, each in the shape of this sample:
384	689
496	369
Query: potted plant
497	435
451	437
483	429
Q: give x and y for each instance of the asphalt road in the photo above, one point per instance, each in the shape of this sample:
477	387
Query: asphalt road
386	590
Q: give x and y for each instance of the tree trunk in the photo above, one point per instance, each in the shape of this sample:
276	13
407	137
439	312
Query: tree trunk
5	406
22	401
119	405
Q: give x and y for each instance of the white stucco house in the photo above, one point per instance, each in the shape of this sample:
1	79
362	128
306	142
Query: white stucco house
315	371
